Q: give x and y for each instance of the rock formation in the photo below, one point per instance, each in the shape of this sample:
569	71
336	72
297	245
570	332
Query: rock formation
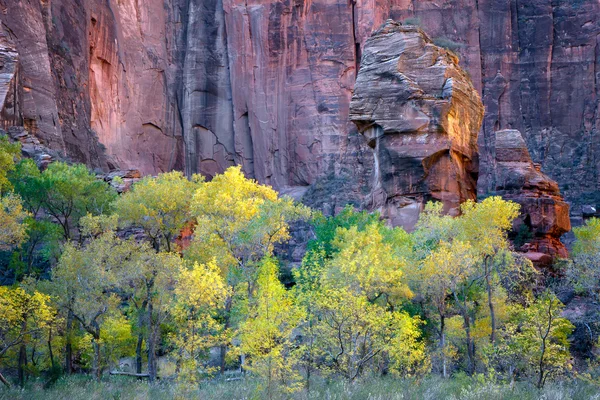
421	114
544	214
203	84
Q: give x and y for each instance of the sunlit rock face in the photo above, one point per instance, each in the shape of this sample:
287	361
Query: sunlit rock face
96	80
421	115
544	213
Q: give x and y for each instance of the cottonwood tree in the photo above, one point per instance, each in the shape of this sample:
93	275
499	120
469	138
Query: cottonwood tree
485	226
325	228
65	192
356	300
13	231
23	314
372	262
160	205
306	293
583	271
536	338
450	271
150	281
351	332
86	281
9	154
238	223
200	294
267	333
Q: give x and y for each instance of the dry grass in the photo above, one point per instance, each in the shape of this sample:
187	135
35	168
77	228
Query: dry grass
433	388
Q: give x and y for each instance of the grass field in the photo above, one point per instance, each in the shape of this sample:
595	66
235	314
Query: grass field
79	387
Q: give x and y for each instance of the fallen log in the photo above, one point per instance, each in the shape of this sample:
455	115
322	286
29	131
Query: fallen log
3	380
129	374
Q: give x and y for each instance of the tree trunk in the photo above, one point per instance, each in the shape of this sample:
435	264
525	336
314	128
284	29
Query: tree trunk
69	345
490	302
151	345
467	325
443	346
470	348
96	362
222	355
140	338
138	353
22	363
542	366
50	352
223	352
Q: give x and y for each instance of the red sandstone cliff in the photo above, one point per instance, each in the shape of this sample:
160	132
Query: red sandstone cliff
204	84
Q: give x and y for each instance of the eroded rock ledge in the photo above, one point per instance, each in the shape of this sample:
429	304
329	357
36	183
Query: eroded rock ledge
544	213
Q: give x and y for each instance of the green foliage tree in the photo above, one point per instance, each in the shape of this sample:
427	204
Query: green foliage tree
325	228
160	205
583	271
86	280
65	192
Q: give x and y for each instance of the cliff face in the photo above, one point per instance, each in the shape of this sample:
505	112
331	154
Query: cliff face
93	74
203	84
421	115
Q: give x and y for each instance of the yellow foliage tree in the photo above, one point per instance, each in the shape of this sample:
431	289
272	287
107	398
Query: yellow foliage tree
9	153
23	314
13	231
351	332
485	226
239	222
370	263
86	279
149	287
267	333
200	294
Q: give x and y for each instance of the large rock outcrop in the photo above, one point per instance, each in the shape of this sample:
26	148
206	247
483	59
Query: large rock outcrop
544	214
421	115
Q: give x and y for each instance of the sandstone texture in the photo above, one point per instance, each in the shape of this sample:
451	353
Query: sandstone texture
421	115
203	84
544	214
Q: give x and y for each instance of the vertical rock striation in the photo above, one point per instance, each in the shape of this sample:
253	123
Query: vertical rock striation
421	114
